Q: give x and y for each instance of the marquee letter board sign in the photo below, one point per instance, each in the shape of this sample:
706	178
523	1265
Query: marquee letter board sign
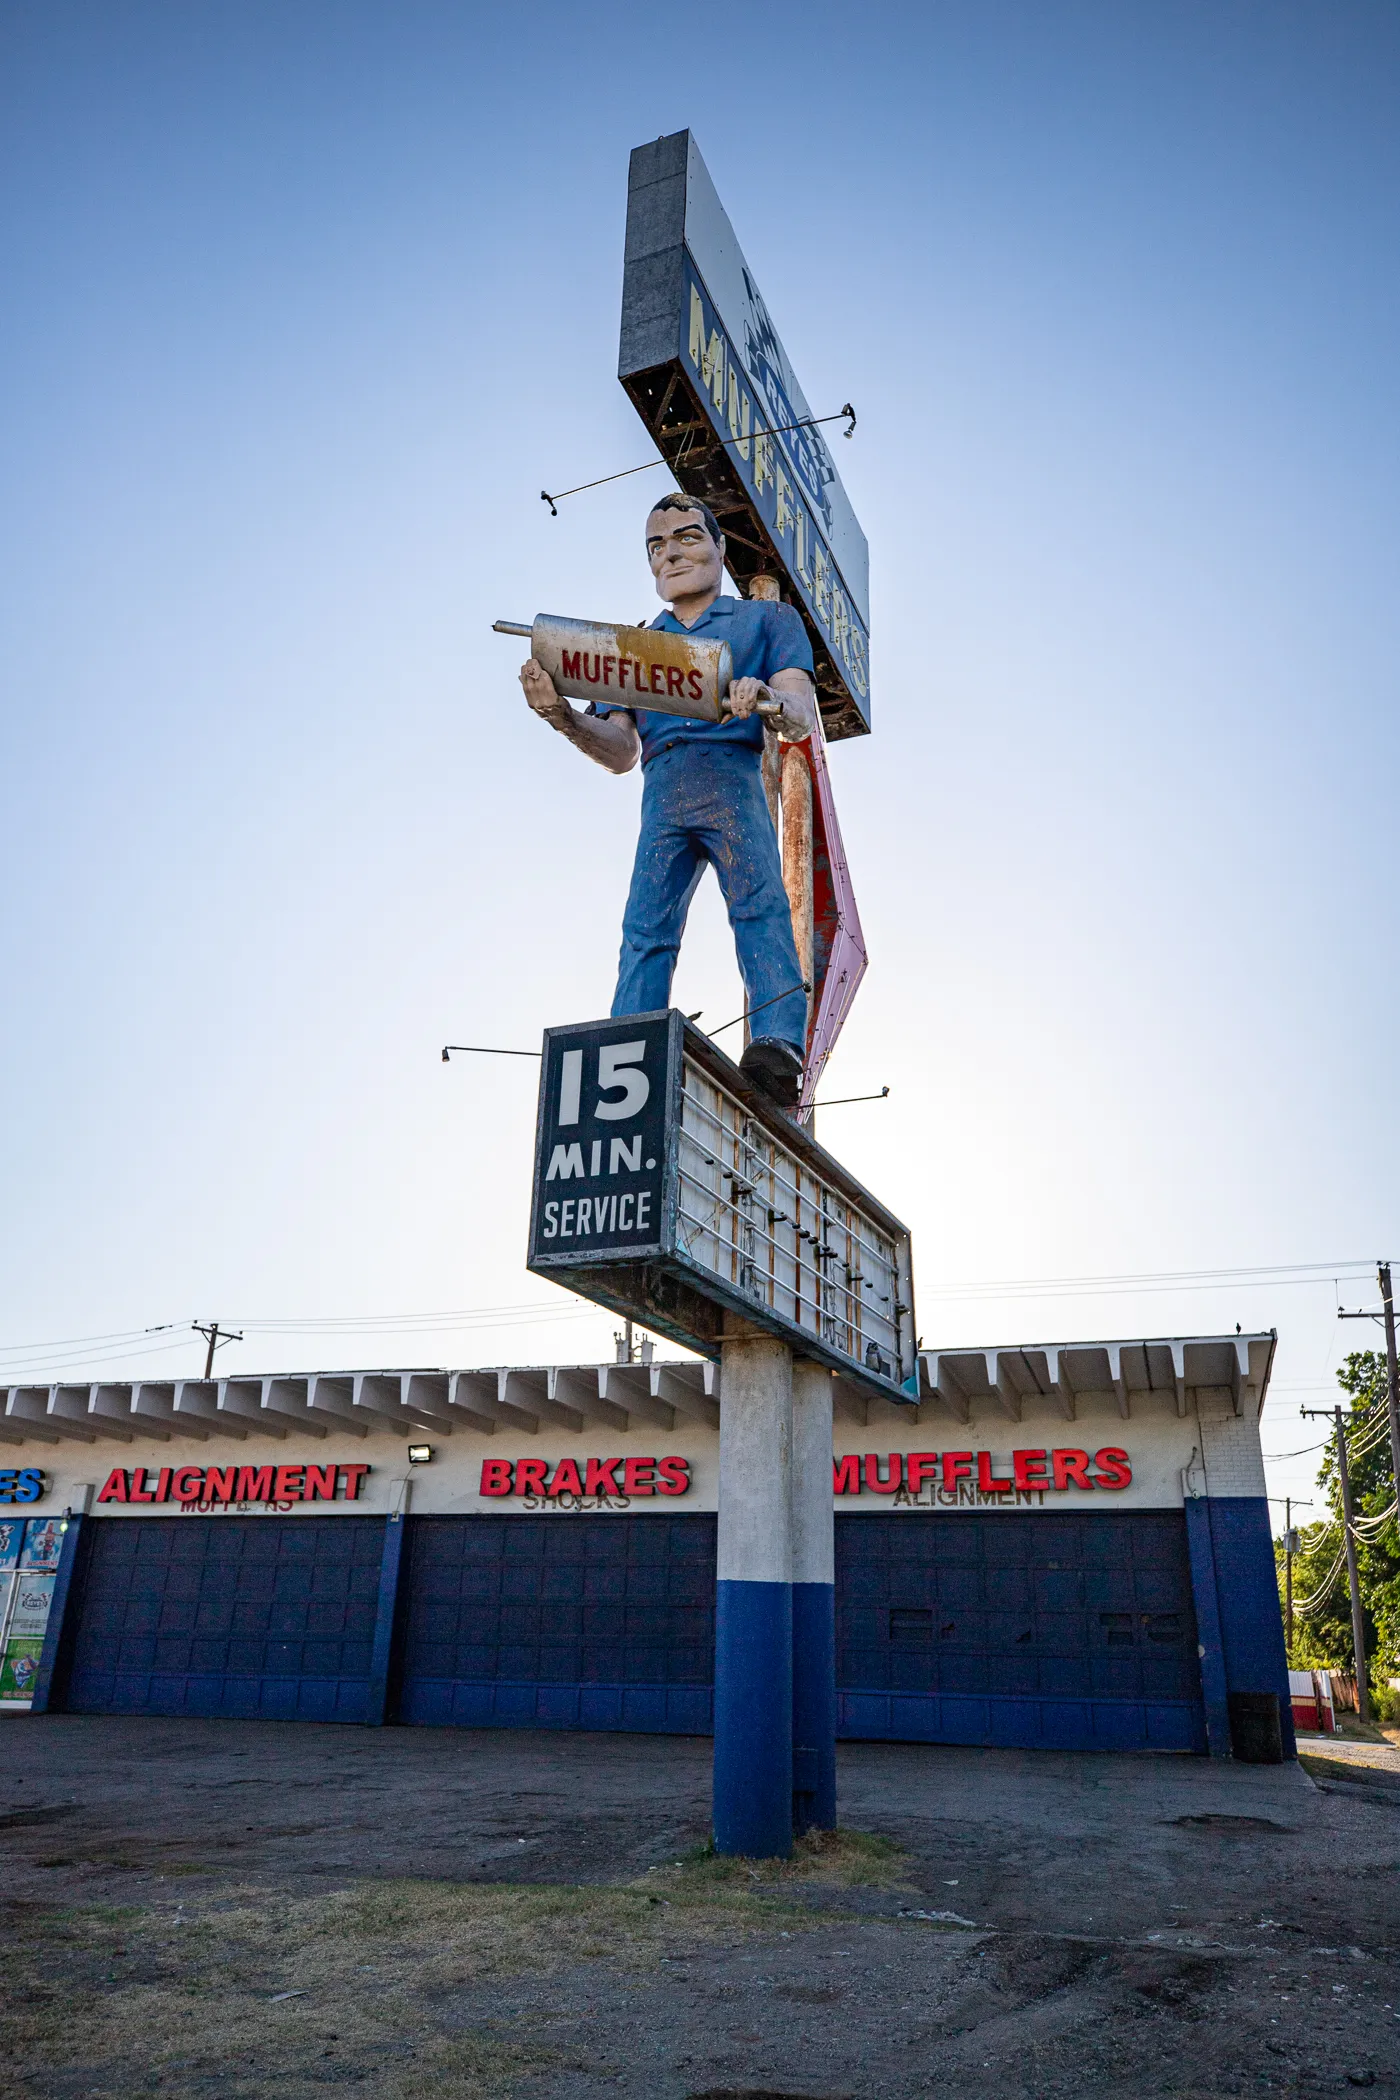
671	1191
704	368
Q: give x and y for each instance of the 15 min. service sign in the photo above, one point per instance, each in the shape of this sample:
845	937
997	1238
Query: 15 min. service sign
609	1092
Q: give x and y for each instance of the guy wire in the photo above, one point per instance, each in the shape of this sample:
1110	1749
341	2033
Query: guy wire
778	430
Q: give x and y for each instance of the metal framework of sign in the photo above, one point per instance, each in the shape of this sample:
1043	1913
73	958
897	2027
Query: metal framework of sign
671	1191
706	371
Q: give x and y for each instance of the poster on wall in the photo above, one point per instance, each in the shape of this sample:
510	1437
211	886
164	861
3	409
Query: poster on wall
18	1671
43	1542
29	1554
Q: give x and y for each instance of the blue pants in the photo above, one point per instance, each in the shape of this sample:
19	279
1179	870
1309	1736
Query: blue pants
704	804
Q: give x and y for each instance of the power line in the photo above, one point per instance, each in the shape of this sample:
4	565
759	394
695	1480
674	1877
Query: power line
1306	1606
1126	1280
1151	1280
422	1323
45	1368
72	1350
120	1334
84	1363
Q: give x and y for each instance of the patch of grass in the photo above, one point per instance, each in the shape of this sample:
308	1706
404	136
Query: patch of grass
186	1994
1335	1764
829	1858
470	1931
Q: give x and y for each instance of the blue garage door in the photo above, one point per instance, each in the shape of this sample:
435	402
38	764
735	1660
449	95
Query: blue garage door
560	1622
1034	1631
227	1615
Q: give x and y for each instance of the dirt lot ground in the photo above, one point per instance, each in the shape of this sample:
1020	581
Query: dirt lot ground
240	1909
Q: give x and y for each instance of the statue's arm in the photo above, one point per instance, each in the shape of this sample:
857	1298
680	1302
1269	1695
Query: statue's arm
609	740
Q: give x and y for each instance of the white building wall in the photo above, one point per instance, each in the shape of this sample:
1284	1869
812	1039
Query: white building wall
1230	1449
967	1442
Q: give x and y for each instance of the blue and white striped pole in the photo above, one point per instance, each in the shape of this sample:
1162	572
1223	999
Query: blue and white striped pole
813	1602
753	1602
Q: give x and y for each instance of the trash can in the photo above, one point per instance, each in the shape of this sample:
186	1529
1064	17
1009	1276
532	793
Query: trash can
1256	1734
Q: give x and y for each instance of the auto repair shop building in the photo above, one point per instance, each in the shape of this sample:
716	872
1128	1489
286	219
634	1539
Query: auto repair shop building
1064	1547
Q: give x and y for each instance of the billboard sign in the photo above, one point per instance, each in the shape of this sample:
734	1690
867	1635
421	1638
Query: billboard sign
600	1147
667	1188
706	369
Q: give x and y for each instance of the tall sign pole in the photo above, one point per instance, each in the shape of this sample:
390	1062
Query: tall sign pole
671	1185
705	368
813	1603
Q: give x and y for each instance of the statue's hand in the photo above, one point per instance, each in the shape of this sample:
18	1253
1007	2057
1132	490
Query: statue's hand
744	696
542	697
748	696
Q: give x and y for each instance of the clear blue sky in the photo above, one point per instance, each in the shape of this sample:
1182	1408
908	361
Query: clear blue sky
305	303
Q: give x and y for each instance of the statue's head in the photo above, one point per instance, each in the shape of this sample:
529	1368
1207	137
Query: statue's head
685	548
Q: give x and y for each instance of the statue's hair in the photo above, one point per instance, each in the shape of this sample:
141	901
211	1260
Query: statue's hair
676	501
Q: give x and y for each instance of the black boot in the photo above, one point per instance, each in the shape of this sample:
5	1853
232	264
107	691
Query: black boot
775	1068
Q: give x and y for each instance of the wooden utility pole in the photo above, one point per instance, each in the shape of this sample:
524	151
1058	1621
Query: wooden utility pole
1392	1397
1358	1624
214	1335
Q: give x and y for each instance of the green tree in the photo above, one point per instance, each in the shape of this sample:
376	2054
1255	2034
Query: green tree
1322	1636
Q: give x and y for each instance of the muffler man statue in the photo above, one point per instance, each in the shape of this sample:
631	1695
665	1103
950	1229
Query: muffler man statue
703	798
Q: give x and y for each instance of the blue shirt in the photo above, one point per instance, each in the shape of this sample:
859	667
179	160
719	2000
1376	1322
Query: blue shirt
763	638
